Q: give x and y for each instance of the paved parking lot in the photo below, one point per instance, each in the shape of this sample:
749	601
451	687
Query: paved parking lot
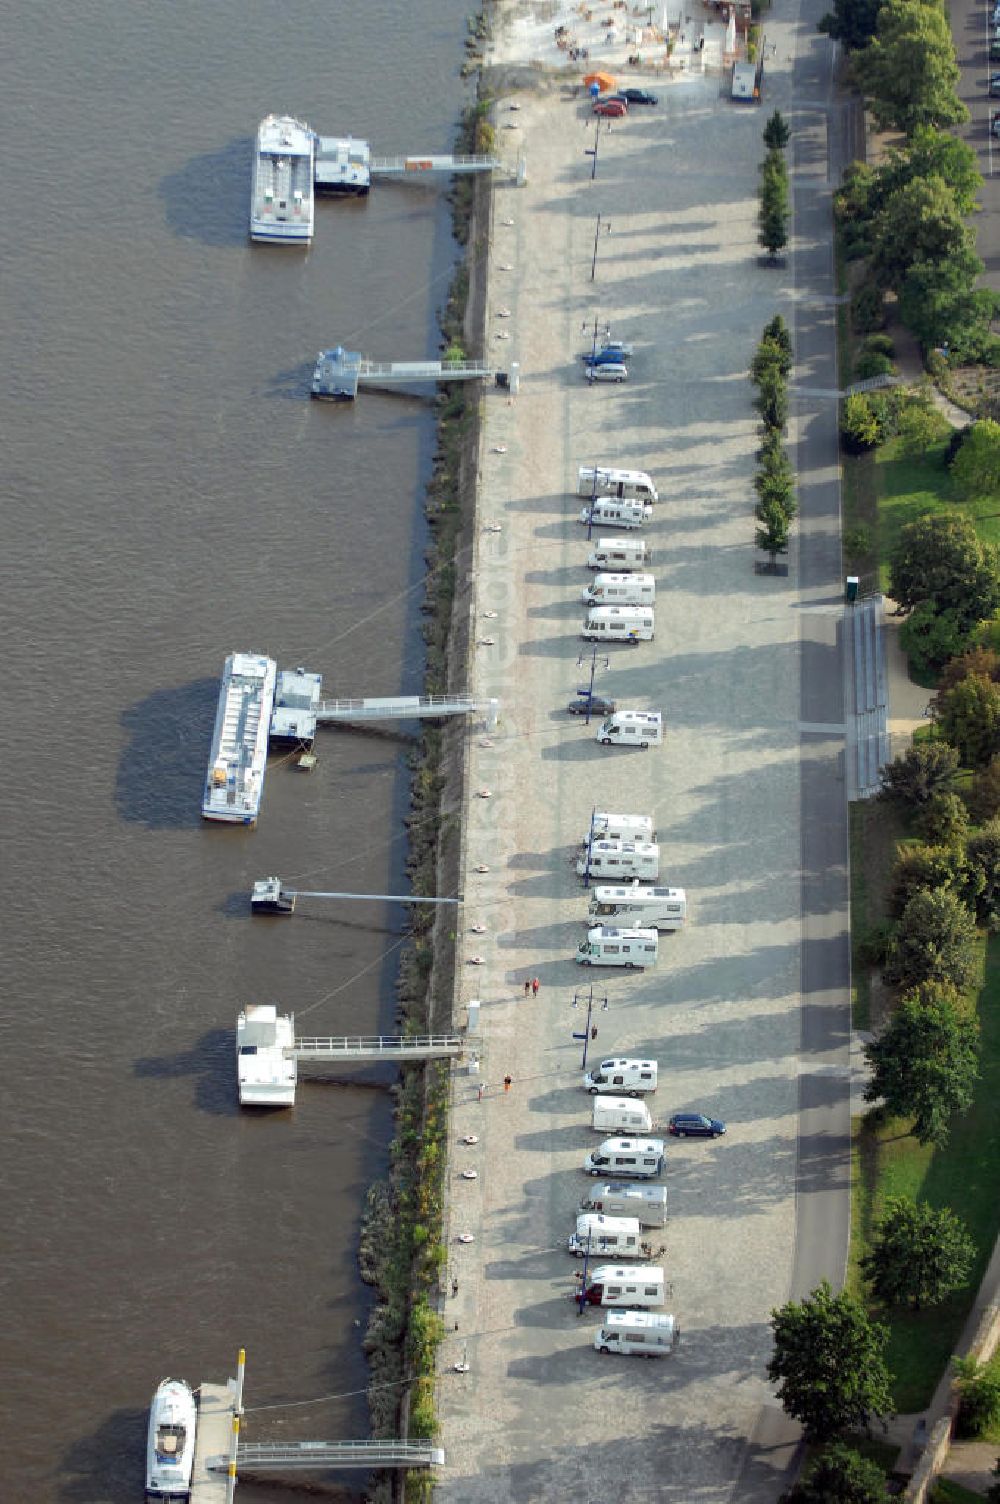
746	1010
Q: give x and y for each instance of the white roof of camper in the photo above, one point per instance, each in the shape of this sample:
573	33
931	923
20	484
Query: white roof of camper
624	1063
656	1321
635	1273
587	1222
615	848
635	1145
637	890
612	473
611	932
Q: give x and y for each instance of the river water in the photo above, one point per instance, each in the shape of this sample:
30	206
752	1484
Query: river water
169	495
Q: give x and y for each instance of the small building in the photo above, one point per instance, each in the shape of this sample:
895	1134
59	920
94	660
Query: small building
295	704
342	165
746	82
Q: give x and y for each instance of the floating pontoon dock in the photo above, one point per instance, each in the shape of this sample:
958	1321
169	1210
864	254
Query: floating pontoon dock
339	373
344	164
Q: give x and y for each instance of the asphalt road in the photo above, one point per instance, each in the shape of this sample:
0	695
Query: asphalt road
971	28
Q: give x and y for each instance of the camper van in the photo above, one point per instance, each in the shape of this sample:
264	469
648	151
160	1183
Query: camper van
639	1334
631	728
618	1198
626	1078
625	514
620	590
620	1285
620	554
596	1234
620	859
619	624
633	1158
621	1115
621	484
633	949
638	903
605	825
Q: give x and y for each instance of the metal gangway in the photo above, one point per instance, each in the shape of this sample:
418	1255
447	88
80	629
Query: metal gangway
263	1455
408	167
339	373
405	708
377	1047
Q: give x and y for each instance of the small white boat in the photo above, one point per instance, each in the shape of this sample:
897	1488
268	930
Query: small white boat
282	204
173	1418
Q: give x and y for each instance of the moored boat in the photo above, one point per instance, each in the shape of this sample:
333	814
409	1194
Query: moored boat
173	1418
238	761
282	202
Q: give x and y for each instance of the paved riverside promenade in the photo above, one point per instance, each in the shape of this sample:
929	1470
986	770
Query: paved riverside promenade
539	1414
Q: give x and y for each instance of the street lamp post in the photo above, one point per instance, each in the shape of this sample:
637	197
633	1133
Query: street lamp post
588	694
590	1032
582	1296
591	151
597	236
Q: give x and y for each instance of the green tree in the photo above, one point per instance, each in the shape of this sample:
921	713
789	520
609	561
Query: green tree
982	879
829	1363
925	1064
777	333
771	400
770	355
851	22
772	218
919	1254
923	770
978	660
968	716
978	1396
976	466
922	869
839	1475
940	558
775	476
940	302
777	132
944	821
931	153
859	424
930	637
909	73
920	423
772	533
984	796
919	222
934	942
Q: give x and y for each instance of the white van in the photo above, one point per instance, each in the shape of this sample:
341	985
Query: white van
639	1334
608	370
636	903
596	1233
626	1078
620	554
626	514
621	1115
619	1285
631	728
620	859
617	483
618	1198
620	590
634	1158
619	624
605	825
632	949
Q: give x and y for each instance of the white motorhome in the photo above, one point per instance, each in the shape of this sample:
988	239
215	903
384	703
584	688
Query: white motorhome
617	1198
620	590
633	1158
623	1077
639	1334
638	903
620	859
596	1233
605	825
619	624
632	949
626	514
620	554
621	1115
621	1285
622	484
631	728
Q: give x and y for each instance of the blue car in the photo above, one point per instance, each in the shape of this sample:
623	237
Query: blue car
695	1125
612	355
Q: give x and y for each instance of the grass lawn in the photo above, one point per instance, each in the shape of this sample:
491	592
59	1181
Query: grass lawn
962	1175
948	1492
907	487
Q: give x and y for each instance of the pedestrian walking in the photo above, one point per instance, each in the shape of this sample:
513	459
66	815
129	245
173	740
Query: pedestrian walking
454	1287
527	987
535	984
480	1091
507	1083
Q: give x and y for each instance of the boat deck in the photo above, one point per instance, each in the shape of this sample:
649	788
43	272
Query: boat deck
238	761
212	1441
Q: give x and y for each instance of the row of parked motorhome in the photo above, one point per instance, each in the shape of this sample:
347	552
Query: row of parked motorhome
621	846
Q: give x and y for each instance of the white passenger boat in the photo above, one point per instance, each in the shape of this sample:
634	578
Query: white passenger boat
238	762
282	204
173	1418
267	1071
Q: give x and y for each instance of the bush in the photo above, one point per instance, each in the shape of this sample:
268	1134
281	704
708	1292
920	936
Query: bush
930	637
944	821
880	344
979	1396
923	869
984	796
868	308
870	364
860	429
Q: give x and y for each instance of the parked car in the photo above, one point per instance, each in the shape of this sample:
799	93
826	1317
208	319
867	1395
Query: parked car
695	1125
995	48
615	107
598	706
995	124
995	83
604	357
610	371
637	96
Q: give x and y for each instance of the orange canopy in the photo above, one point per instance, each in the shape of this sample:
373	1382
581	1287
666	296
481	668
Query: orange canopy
604	81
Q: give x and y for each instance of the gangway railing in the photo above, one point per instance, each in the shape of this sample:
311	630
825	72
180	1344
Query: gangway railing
413	166
405	707
339	373
256	1456
377	1047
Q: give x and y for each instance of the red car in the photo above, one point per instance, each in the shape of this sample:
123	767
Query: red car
614	107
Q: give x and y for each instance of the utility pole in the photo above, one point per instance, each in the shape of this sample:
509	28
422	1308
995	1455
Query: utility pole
582	1297
588	694
592	151
590	1031
597	236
